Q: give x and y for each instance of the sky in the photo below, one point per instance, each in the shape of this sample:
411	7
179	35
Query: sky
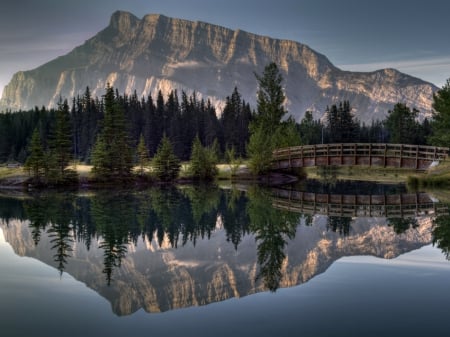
409	35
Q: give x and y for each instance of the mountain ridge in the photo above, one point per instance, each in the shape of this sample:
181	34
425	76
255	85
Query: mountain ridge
162	53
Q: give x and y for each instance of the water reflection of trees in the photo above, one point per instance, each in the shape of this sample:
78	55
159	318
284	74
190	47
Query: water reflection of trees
53	215
401	225
174	217
339	224
170	216
441	234
272	229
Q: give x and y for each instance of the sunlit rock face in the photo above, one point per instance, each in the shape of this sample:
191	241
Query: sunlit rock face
158	278
160	53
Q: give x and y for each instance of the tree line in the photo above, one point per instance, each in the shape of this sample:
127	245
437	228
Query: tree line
181	120
118	131
339	125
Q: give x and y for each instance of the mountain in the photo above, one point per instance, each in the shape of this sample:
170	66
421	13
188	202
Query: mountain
160	53
160	278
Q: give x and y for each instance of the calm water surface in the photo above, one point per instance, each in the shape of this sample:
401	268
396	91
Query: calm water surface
350	260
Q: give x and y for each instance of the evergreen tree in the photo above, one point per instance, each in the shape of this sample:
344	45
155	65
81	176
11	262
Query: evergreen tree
260	151
35	163
267	130
142	154
160	117
232	160
310	130
166	165
401	124
270	99
113	154
234	122
150	125
211	125
203	163
441	117
100	159
341	126
286	134
62	142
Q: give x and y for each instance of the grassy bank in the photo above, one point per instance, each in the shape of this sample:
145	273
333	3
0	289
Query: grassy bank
16	177
11	177
363	173
436	178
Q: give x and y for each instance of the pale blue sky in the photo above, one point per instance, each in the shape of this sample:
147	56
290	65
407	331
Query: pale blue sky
409	35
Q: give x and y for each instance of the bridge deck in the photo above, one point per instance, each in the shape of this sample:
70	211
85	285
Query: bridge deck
418	157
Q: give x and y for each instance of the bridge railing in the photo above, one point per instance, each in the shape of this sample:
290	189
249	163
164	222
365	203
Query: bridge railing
394	206
401	151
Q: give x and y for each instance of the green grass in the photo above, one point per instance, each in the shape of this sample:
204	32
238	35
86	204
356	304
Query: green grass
436	178
365	173
12	176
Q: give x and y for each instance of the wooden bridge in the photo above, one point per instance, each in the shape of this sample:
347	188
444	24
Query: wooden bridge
417	157
405	205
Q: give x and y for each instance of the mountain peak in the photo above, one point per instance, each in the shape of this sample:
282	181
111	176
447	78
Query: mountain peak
120	17
161	53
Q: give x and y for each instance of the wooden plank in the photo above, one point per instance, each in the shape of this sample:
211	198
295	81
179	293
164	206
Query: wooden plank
295	156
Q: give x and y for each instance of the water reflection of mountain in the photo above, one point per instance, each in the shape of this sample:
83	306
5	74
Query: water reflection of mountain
165	249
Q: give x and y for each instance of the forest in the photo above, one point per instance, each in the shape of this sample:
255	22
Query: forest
117	131
181	122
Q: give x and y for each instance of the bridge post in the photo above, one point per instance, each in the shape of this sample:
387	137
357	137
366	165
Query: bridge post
401	156
417	157
315	156
303	158
328	154
290	163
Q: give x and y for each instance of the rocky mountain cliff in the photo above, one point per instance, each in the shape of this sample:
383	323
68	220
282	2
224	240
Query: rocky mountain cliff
163	278
160	53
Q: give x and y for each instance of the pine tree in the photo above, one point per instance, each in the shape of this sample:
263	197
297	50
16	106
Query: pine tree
203	163
100	160
142	154
234	122
166	165
62	142
113	153
35	163
260	151
270	98
310	130
441	117
401	124
267	130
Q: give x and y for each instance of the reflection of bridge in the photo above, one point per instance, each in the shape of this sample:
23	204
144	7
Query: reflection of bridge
389	206
418	157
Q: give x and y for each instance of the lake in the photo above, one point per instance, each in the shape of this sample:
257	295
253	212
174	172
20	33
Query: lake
339	259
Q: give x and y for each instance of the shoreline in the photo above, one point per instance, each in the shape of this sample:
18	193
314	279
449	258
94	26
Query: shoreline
15	179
